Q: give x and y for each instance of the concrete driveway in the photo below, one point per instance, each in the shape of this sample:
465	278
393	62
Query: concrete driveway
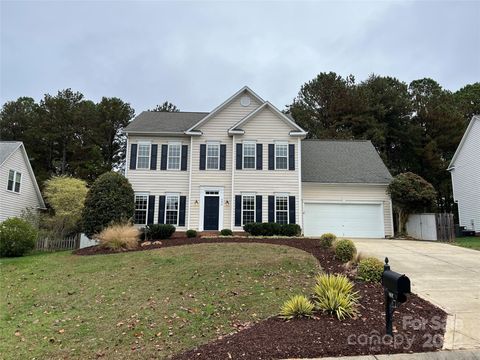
446	275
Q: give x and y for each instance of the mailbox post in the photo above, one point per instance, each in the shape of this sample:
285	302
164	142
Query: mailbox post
396	286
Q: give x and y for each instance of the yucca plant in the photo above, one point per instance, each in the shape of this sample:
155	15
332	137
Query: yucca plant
334	294
297	306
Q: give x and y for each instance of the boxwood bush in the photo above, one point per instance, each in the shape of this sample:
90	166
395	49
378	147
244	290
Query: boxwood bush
159	231
226	232
327	240
345	250
191	233
17	237
370	269
272	229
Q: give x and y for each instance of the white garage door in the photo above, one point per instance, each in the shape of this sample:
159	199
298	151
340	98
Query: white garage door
349	220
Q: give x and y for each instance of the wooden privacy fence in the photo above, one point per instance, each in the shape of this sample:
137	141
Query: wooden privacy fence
445	227
47	243
438	227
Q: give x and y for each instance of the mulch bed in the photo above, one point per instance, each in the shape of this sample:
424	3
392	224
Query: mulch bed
418	325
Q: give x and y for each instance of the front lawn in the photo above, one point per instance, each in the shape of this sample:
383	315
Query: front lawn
471	242
146	304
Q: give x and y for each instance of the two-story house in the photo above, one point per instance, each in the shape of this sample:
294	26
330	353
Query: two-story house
246	161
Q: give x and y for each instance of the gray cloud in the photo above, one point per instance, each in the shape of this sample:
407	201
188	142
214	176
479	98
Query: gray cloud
196	54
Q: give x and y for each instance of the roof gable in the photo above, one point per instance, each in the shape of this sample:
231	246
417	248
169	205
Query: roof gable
464	138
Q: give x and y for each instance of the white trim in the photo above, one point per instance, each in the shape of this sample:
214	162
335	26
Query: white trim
190	183
174	143
144	143
242	194
254	143
220	190
464	138
286	195
299	132
217	144
128	155
275	154
232	196
346	184
172	194
224	104
300	195
15	172
391	217
165	133
143	193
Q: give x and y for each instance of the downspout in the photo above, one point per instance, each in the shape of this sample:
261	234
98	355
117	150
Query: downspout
190	183
300	197
232	205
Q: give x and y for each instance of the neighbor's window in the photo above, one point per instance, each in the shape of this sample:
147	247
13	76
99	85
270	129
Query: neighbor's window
281	209
171	209
249	155
248	209
14	180
213	156
174	156
281	156
143	156
141	207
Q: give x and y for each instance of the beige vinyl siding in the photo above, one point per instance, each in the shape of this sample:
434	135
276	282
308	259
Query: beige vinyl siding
11	203
216	129
266	128
345	193
159	182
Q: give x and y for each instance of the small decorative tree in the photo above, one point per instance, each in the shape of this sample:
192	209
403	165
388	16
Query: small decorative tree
110	200
66	195
410	193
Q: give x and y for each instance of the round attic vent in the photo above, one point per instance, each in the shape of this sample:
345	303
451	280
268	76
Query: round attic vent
245	100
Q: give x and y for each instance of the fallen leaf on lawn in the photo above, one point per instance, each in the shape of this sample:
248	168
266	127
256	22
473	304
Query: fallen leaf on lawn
61	331
18	333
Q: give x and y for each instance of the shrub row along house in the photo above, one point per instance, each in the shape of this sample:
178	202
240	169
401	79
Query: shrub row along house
248	162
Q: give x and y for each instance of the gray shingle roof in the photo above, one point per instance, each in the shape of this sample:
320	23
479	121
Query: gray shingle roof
342	161
155	121
6	148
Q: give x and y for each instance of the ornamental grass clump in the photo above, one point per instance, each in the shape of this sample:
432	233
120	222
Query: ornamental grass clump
345	250
370	269
297	306
119	237
334	294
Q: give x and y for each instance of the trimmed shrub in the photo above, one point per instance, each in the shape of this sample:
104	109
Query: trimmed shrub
326	240
291	230
334	294
191	233
119	237
226	232
159	231
297	306
109	201
248	227
272	229
345	250
370	269
17	237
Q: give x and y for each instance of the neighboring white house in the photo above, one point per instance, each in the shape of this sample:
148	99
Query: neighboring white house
246	161
465	171
18	187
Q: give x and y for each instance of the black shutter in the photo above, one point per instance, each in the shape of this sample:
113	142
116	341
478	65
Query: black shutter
291	157
238	210
181	212
184	157
291	209
258	209
271	208
133	156
203	154
153	157
239	156
161	209
151	209
223	156
271	156
259	156
163	162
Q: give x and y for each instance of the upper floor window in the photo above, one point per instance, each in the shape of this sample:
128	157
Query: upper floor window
213	156
281	209
174	156
14	180
143	156
171	209
141	207
281	156
249	154
248	209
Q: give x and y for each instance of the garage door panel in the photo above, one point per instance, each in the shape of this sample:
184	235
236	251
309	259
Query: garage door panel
354	220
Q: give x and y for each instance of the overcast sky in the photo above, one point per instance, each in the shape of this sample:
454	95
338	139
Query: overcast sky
197	54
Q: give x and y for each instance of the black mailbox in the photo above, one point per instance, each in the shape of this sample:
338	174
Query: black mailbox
397	284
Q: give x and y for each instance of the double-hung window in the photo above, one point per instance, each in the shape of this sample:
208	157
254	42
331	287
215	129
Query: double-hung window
248	209
141	208
281	209
171	209
14	181
174	156
249	154
281	156
143	156
213	156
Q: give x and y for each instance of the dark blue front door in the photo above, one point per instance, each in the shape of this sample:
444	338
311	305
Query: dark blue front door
210	216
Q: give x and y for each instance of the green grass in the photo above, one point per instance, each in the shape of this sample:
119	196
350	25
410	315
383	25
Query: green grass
471	242
148	304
